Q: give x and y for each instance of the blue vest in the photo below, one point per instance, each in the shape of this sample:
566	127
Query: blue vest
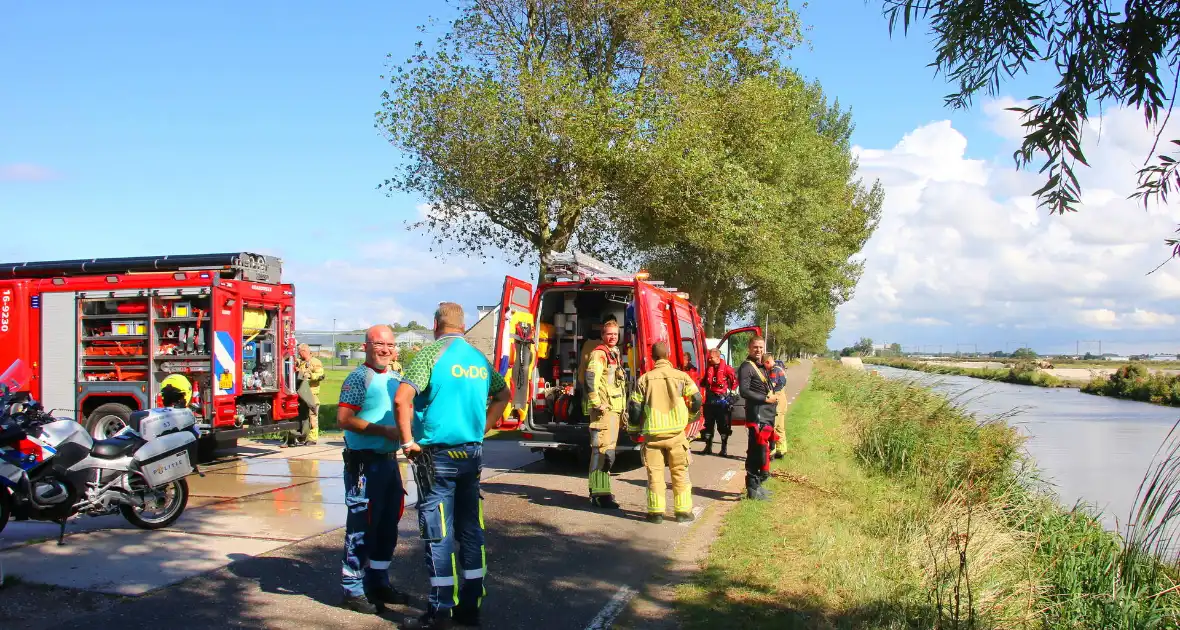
373	393
454	405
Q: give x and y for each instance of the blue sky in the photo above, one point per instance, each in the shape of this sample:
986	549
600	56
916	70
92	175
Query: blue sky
137	128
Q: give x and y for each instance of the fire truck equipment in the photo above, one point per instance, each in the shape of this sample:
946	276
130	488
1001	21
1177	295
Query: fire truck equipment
104	333
544	333
119	327
253	322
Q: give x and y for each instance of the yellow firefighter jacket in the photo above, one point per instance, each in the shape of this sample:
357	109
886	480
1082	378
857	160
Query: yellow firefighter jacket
661	393
312	370
604	380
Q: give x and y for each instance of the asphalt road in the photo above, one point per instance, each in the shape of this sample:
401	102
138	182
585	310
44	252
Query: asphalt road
554	561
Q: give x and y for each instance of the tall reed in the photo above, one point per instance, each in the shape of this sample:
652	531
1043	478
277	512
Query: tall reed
1079	574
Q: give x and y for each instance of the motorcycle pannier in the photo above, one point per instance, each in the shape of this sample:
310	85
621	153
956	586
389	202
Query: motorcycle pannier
167	458
152	423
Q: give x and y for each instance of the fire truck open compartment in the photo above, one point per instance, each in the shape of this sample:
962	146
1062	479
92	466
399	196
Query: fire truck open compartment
567	320
103	334
141	338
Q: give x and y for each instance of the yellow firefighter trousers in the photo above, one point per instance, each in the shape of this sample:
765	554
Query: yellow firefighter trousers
671	450
604	436
780	423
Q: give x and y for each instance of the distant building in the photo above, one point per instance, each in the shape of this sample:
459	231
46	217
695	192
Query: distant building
482	334
415	338
320	342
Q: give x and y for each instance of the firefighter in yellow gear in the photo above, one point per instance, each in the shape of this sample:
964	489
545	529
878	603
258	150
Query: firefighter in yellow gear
311	370
664	400
603	401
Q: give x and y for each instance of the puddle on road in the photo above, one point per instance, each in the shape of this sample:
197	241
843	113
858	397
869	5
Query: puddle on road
235	485
295	513
282	467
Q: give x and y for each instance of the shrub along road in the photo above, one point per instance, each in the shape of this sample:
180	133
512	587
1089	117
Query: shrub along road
554	562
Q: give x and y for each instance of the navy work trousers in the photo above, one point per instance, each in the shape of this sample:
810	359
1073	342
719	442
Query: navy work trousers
450	515
376	499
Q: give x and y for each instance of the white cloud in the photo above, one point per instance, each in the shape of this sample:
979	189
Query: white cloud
961	242
394	279
928	321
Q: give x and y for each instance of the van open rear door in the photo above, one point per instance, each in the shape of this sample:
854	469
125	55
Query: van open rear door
738	412
515	348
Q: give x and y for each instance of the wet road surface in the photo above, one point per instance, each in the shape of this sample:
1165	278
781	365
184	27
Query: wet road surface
554	561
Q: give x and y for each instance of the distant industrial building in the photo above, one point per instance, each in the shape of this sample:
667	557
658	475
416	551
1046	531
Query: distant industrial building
320	341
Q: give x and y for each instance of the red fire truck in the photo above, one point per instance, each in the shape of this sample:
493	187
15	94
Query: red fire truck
102	334
543	337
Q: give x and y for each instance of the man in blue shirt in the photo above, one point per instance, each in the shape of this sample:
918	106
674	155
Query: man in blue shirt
373	490
449	383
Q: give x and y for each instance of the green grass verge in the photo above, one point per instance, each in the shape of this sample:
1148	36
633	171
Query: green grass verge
1019	374
895	509
822	553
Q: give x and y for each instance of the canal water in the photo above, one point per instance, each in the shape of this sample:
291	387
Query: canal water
1093	449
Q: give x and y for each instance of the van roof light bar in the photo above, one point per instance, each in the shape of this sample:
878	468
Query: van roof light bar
580	266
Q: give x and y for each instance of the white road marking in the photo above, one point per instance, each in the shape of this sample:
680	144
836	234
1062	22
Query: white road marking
613	608
728	475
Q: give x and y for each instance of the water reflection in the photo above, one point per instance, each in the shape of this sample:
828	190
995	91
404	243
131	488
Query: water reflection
1092	449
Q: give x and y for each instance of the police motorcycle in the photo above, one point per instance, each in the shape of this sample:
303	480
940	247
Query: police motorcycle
138	473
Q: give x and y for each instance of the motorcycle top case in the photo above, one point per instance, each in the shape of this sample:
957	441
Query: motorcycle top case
167	458
163	421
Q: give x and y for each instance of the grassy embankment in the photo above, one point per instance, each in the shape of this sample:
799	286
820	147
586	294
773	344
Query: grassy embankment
897	510
1024	373
1133	381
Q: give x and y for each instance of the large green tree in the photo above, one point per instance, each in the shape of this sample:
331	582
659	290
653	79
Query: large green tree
1104	54
750	193
516	122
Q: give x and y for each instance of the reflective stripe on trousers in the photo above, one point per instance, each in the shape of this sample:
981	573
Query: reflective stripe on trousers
375	499
671	451
450	515
604	436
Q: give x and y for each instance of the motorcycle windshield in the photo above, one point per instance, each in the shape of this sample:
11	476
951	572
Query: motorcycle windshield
15	378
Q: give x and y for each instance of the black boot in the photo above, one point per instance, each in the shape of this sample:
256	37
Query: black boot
358	604
386	594
724	445
605	501
465	615
708	444
754	489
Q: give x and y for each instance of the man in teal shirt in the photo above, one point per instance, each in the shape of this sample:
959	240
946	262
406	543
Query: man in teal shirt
449	383
373	490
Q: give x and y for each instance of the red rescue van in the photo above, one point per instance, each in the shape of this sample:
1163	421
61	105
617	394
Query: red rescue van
543	335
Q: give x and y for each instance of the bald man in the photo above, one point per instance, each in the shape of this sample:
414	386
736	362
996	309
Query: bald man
373	491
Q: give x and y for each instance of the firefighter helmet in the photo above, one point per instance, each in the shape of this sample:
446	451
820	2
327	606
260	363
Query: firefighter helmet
181	384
